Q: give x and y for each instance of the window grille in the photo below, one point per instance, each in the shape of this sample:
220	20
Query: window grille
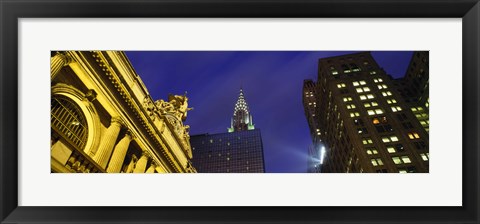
68	121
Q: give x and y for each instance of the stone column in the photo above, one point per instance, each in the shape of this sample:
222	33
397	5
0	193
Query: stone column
141	163
57	62
119	153
107	142
131	165
151	169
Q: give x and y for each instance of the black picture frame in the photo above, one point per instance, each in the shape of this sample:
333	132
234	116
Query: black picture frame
12	10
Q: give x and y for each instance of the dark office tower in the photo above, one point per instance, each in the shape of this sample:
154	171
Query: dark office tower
309	99
365	123
238	151
311	109
241	120
234	152
414	87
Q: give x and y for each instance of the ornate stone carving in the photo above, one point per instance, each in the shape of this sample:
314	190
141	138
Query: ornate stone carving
150	107
177	106
174	112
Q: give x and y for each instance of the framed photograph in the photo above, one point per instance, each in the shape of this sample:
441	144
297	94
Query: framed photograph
239	112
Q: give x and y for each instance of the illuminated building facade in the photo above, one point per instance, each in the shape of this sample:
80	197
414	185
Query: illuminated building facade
103	119
240	150
242	119
309	99
366	124
414	87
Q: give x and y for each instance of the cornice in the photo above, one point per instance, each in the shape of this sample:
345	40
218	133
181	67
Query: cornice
140	113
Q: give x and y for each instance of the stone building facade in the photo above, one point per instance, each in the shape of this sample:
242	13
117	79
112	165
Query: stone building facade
103	119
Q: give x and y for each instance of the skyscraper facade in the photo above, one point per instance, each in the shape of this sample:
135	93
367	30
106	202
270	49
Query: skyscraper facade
309	99
240	150
414	87
365	123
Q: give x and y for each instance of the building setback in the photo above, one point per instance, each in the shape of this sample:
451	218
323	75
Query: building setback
365	123
240	150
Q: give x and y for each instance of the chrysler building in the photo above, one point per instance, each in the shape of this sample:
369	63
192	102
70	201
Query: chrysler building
242	119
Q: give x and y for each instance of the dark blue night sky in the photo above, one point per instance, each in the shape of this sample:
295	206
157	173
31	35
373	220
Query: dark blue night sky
272	82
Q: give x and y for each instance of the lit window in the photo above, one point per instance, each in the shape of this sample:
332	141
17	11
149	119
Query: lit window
390	101
391	149
392	138
375	121
424	157
372	151
377	162
341	85
396	108
402	171
388	93
351	106
373	72
405	159
334	72
363	97
413	135
371	104
377	80
69	120
370	96
363	82
367	141
397	160
347	99
355	83
363	89
383	86
374	112
354	114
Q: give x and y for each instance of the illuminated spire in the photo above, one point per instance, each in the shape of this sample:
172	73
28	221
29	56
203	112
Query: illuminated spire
242	120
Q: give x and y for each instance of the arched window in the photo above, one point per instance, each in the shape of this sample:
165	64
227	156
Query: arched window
68	121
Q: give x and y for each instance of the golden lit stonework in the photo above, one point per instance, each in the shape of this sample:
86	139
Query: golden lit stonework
104	120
